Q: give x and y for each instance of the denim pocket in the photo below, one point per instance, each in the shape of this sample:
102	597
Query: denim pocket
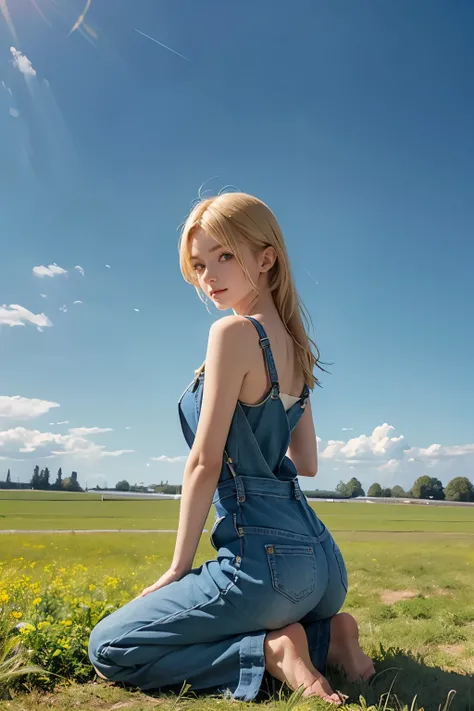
341	566
293	570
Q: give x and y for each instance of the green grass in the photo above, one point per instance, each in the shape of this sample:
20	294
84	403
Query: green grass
411	573
44	510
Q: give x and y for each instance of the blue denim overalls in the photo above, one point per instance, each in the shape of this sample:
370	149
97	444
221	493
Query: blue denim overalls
276	564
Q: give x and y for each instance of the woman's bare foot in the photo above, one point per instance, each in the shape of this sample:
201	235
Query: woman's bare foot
99	673
344	649
287	659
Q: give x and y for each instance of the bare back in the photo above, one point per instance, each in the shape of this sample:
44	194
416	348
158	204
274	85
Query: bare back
256	382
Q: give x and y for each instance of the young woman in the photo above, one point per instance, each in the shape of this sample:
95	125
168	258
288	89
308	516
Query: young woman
268	603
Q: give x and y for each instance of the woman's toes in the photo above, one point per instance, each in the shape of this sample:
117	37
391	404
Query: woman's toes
334	699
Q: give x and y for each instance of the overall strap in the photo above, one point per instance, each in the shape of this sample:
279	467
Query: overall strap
267	352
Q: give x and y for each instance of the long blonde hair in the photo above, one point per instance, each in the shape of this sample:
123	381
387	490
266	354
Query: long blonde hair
235	218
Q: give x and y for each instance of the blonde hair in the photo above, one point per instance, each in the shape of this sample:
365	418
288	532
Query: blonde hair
235	218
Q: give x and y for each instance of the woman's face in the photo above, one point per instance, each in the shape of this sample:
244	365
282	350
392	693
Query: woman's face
220	276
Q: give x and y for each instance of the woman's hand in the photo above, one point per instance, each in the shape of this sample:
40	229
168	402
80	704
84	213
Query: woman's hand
169	577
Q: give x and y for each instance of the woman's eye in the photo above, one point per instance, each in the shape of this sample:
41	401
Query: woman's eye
199	267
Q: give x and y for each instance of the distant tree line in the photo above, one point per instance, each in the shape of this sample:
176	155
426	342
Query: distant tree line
41	480
425	487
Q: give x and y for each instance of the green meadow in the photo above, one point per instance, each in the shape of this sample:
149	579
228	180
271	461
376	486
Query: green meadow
411	579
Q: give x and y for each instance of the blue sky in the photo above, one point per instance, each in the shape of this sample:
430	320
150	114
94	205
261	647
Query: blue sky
353	121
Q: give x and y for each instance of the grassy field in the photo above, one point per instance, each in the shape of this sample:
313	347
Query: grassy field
411	571
43	510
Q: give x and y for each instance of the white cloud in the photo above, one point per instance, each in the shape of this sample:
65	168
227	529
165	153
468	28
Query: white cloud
43	296
136	309
63	422
14	112
347	429
24	408
78	302
63	308
391	466
84	431
16	315
108	266
51	271
438	451
365	448
75	443
79	269
388	458
22	63
164	458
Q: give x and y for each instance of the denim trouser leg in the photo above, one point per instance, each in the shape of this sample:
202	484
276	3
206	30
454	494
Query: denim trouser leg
236	664
156	642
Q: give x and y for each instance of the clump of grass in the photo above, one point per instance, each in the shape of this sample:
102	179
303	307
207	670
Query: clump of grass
383	612
417	608
48	623
15	660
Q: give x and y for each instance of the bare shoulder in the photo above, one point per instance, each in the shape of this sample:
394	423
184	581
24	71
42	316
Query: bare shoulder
232	324
233	330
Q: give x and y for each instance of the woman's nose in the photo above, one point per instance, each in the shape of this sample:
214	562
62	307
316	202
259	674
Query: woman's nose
209	278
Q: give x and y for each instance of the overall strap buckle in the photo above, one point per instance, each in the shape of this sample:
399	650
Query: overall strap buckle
296	488
239	484
268	355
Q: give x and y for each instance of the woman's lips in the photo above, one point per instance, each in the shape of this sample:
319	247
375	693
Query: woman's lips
217	292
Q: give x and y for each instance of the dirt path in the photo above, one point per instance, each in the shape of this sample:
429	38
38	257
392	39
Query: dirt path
92	530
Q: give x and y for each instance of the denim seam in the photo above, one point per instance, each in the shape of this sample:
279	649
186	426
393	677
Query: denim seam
264	531
339	558
252	666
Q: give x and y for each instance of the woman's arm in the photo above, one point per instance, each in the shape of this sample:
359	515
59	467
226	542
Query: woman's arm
303	450
226	367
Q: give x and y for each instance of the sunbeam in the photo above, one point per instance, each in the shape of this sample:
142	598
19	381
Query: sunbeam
81	18
40	12
8	20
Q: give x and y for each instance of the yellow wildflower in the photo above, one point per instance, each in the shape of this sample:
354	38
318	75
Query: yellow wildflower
17	615
37	600
27	628
66	623
91	587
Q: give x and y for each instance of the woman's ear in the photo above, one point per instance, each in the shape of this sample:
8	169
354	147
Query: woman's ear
268	258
